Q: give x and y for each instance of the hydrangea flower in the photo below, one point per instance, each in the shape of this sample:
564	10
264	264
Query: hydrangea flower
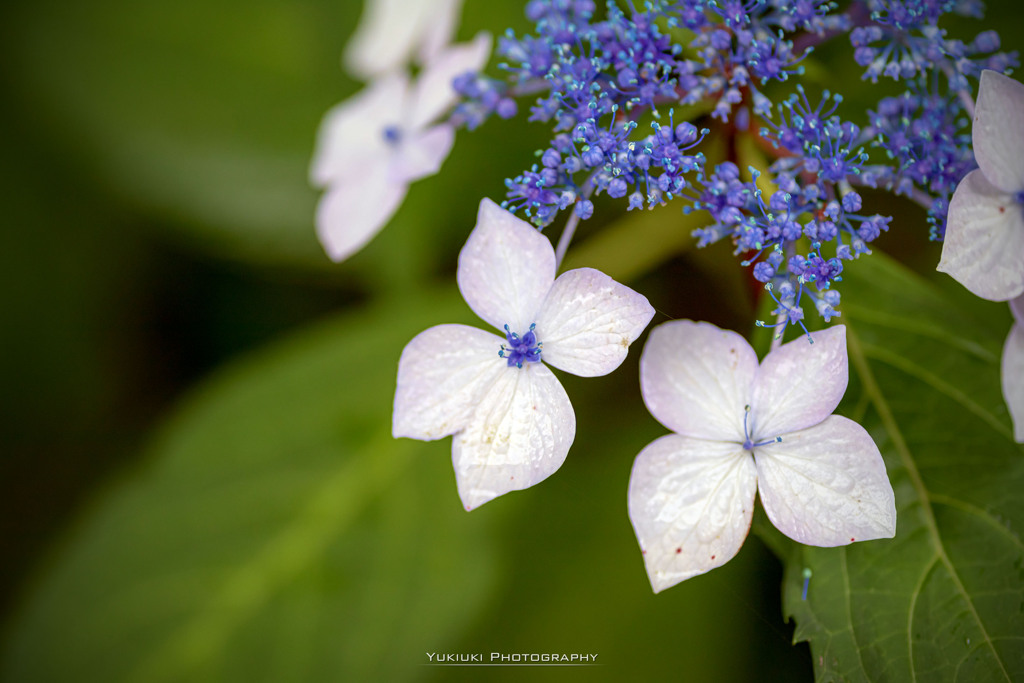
741	428
512	421
984	246
390	31
1013	369
372	147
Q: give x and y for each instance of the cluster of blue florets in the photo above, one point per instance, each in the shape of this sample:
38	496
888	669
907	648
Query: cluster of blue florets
611	85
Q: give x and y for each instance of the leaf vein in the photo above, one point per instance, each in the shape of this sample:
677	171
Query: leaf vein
937	383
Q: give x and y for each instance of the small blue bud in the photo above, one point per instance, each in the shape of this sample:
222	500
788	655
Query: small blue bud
584	209
506	108
617	188
763	272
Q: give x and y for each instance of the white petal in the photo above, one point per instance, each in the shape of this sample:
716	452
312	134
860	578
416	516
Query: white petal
434	94
442	375
998	132
696	379
588	321
984	244
438	32
390	30
505	269
1013	379
518	436
352	133
827	485
799	384
351	213
690	502
422	154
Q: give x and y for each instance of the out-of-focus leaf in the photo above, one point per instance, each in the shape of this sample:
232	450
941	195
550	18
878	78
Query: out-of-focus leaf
275	532
944	599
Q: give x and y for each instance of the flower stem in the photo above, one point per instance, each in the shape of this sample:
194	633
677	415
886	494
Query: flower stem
566	238
780	324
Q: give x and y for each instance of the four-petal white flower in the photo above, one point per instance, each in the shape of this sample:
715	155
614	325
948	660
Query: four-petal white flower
1013	369
511	419
741	428
391	31
372	147
984	243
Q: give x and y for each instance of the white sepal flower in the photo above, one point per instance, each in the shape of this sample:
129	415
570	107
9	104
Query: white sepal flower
371	147
741	428
1013	369
984	243
390	32
513	423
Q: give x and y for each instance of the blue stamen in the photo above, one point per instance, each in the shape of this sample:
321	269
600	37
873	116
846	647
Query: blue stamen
392	135
525	349
747	445
748	441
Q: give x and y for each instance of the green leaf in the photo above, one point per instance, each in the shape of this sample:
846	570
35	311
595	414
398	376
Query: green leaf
944	599
276	531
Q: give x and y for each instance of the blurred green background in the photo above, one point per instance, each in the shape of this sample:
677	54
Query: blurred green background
198	480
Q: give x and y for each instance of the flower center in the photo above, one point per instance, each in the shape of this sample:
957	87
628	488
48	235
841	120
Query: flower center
748	439
519	350
392	135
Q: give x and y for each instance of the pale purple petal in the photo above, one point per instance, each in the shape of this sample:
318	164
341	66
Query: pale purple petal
799	384
588	321
696	379
505	269
1013	379
518	436
984	244
422	153
827	485
352	212
388	33
433	94
442	375
998	132
690	502
352	132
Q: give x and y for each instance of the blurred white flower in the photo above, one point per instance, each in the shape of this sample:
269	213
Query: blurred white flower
511	419
740	429
371	147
